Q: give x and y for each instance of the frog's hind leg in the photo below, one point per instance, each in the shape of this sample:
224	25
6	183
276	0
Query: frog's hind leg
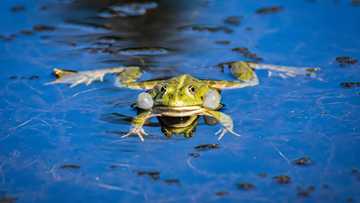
225	120
282	71
74	78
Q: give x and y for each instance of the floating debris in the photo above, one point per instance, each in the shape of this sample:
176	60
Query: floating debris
43	28
17	8
303	161
282	179
155	175
305	192
269	10
222	193
348	85
233	20
143	51
204	147
356	173
205	28
346	60
245	186
70	166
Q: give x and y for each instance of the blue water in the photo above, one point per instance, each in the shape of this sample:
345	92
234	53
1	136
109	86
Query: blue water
61	144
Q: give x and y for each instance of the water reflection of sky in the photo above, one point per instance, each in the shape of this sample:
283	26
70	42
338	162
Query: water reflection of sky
55	140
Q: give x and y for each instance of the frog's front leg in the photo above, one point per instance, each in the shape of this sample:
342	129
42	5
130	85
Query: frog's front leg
138	123
75	78
225	120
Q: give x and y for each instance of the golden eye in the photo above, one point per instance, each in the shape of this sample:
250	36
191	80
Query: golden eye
192	89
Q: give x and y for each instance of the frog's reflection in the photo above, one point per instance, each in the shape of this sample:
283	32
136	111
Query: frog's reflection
170	126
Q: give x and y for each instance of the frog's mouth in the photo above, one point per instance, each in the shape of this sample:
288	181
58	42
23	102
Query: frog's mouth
178	111
177	122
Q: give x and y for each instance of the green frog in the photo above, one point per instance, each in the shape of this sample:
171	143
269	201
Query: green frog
179	101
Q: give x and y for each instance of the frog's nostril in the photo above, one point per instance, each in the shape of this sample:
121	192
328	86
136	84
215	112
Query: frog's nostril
212	99
145	101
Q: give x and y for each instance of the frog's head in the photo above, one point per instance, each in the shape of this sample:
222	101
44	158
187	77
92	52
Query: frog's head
181	92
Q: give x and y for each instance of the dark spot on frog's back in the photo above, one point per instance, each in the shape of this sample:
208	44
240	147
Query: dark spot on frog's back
303	161
70	166
269	10
346	60
205	147
282	179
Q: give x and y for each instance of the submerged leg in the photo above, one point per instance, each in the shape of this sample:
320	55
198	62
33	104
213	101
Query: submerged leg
138	123
224	120
75	78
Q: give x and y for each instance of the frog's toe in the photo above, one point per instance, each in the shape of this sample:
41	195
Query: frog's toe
222	131
136	131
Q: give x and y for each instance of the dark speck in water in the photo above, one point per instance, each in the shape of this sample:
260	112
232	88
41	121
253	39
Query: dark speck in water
282	179
262	175
155	175
70	166
204	28
355	2
303	161
194	154
245	52
204	147
7	199
233	20
245	186
269	10
348	85
43	28
26	32
356	173
7	37
346	60
305	192
350	200
172	181
144	51
222	193
17	8
222	42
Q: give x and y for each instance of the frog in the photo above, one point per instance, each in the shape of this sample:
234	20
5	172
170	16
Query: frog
178	101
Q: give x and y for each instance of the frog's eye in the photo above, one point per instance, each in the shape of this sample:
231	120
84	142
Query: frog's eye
212	99
192	89
163	88
145	101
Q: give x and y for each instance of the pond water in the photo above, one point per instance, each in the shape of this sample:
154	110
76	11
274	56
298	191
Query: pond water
300	136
